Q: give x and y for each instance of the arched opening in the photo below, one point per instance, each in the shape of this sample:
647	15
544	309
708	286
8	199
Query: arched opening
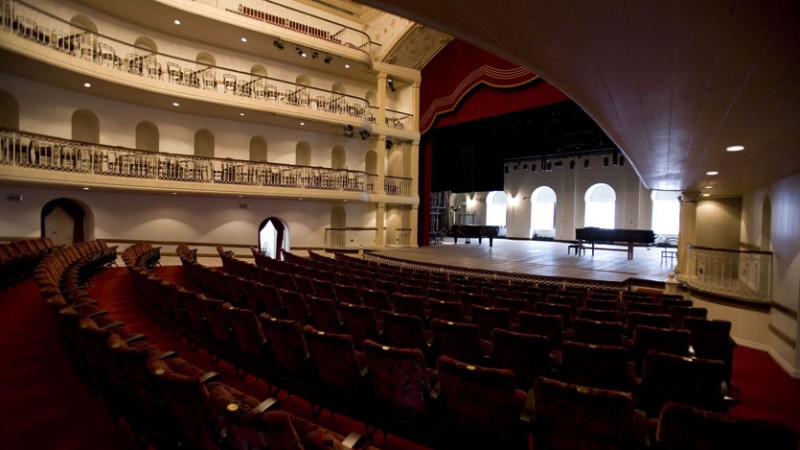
458	210
371	97
302	80
146	43
273	237
85	126
147	136
338	158
206	59
666	220
371	162
258	71
9	111
83	23
543	213
496	203
258	148
600	211
66	221
338	217
338	88
204	143
302	154
766	225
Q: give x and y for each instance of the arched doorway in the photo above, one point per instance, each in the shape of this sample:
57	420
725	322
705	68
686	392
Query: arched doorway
496	203
600	209
543	212
66	221
273	237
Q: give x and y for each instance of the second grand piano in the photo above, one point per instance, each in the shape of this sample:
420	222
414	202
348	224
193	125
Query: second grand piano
611	235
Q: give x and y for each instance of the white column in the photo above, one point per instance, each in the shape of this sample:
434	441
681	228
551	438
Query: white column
381	119
380	224
688	226
415	106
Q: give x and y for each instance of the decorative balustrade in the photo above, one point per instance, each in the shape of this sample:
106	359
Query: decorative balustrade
53	154
283	16
737	273
403	236
397	186
350	238
31	23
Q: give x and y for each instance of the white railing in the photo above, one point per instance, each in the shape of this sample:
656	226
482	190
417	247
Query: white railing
738	273
397	186
33	24
403	237
293	19
53	154
350	238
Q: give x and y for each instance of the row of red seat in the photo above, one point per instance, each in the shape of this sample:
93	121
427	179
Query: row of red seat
18	258
168	402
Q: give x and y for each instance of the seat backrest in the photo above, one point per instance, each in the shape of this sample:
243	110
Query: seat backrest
216	317
324	314
458	340
570	416
605	315
488	319
565	311
710	338
548	325
410	304
514	306
360	322
334	357
377	299
403	330
635	319
599	366
681	427
286	342
296	305
647	338
249	337
671	378
680	313
527	355
440	309
399	378
598	332
478	399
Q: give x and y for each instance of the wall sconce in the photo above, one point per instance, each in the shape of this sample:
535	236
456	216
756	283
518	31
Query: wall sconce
390	82
278	43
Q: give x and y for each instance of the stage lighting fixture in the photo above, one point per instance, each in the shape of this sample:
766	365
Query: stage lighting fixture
348	131
390	82
364	134
389	145
315	55
605	161
278	43
300	51
572	165
328	59
586	163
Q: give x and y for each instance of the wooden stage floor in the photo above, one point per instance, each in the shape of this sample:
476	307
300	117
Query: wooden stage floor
541	258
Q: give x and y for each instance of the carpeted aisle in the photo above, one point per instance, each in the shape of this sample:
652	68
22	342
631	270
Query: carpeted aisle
44	405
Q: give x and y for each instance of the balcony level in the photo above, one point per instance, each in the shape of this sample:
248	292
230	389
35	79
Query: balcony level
42	160
40	46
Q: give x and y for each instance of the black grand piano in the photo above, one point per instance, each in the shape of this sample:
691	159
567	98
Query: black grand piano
611	235
474	231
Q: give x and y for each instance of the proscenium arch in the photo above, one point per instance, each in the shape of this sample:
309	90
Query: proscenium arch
9	111
273	237
79	212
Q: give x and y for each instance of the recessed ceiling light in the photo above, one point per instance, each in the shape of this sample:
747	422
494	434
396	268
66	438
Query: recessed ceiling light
735	148
241	114
347	66
241	196
708	187
302	124
176	22
174	193
85	188
87	85
176	104
706	195
244	39
711	173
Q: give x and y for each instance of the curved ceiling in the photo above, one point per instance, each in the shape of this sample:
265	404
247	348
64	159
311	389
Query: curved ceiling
672	83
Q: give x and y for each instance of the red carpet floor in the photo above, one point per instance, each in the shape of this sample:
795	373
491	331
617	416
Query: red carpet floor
44	405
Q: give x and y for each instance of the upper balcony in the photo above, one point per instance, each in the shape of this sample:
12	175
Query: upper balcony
38	45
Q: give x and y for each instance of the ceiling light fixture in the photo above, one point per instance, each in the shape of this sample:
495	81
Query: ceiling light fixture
706	195
364	134
315	55
735	148
328	59
244	39
302	124
176	22
390	82
708	187
176	104
278	43
241	114
300	51
87	85
712	173
347	66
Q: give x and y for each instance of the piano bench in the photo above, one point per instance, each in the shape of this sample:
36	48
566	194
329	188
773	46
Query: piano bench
578	247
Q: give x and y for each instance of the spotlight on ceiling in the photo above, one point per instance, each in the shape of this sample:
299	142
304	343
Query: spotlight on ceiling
328	59
390	82
348	131
315	55
605	161
572	165
389	144
300	51
525	167
278	43
533	168
364	134
586	163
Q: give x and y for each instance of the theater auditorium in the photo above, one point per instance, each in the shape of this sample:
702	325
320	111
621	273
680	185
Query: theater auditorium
327	224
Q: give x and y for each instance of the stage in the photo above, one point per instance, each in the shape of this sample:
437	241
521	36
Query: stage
541	258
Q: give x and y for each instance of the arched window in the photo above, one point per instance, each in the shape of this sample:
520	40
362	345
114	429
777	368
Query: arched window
9	111
302	154
600	208
338	158
666	213
302	80
147	136
496	208
85	126
204	143
258	148
543	212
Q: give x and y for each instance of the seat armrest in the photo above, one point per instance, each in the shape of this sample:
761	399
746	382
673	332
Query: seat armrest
692	353
168	355
112	325
353	440
640	429
436	391
266	405
210	376
528	413
136	338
